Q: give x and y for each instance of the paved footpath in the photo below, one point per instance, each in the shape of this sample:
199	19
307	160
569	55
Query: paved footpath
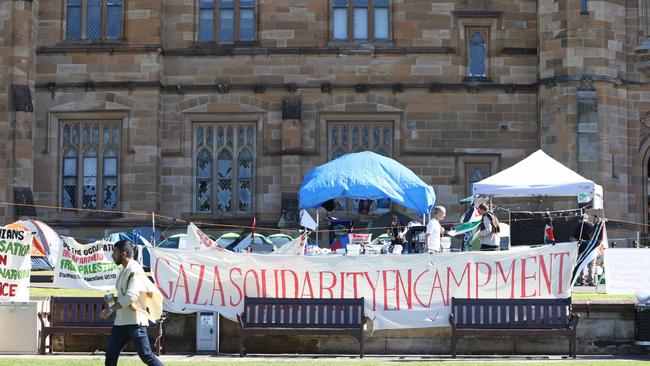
288	358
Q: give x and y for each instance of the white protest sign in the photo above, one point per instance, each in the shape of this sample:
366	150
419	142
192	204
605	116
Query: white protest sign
399	291
627	270
86	266
15	264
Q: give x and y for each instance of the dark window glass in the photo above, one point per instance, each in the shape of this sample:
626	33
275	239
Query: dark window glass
226	21
73	20
206	20
247	20
340	20
114	19
94	19
477	55
102	18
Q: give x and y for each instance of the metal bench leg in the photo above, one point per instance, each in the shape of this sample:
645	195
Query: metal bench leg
242	341
361	341
453	345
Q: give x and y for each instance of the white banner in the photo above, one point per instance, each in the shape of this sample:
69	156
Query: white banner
15	264
627	270
86	266
410	291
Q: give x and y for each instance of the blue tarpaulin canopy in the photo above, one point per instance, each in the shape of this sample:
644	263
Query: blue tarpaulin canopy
366	175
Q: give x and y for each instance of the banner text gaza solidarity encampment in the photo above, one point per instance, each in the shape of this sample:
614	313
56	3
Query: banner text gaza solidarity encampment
399	291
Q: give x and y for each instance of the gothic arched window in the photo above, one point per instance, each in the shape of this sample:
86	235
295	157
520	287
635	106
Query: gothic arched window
225	182
96	170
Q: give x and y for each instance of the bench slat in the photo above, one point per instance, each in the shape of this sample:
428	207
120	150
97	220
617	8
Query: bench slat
511	313
302	313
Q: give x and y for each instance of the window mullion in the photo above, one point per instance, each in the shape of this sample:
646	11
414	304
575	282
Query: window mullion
80	166
350	35
100	169
216	22
235	177
236	36
83	19
213	173
103	34
371	20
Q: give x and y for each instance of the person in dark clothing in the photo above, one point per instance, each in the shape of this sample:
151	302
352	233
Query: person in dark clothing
583	232
396	230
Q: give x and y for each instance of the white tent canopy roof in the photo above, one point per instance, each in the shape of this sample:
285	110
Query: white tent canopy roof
537	175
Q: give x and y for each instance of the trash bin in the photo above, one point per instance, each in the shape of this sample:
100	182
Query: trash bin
642	325
20	327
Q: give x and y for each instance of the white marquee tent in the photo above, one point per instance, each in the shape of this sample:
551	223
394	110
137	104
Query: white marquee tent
539	175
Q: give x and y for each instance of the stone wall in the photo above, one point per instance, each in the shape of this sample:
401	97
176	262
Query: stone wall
605	328
159	82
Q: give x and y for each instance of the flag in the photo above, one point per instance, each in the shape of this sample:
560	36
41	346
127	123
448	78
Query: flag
307	221
464	227
549	237
196	239
595	245
246	242
294	247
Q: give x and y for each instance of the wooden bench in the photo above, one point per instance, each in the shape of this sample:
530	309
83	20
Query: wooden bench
264	316
80	315
506	317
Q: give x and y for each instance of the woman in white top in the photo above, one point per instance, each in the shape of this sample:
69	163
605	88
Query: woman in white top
489	229
435	230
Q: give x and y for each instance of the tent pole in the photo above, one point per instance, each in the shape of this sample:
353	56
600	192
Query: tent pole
153	229
510	225
317	223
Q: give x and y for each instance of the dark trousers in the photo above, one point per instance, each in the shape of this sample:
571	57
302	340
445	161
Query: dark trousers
121	335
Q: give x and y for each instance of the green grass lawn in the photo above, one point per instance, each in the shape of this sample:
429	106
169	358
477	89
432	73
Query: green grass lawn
310	362
602	297
35	292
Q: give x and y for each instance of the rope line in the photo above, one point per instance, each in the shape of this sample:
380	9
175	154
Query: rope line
232	226
176	220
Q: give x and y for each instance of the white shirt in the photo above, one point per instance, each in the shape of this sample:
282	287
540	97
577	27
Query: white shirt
487	236
433	241
135	291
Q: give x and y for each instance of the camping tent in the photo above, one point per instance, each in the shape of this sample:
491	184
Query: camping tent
134	237
539	175
45	244
365	175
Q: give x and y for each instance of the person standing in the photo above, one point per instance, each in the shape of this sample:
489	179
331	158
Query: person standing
582	233
138	301
395	231
435	230
489	229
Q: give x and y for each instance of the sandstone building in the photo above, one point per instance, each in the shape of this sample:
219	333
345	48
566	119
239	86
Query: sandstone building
213	110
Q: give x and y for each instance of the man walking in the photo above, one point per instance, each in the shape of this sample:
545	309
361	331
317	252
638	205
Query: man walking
138	301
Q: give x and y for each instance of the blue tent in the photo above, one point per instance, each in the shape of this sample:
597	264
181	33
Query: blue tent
366	175
136	238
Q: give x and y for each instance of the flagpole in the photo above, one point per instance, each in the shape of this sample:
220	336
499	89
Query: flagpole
317	221
510	229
